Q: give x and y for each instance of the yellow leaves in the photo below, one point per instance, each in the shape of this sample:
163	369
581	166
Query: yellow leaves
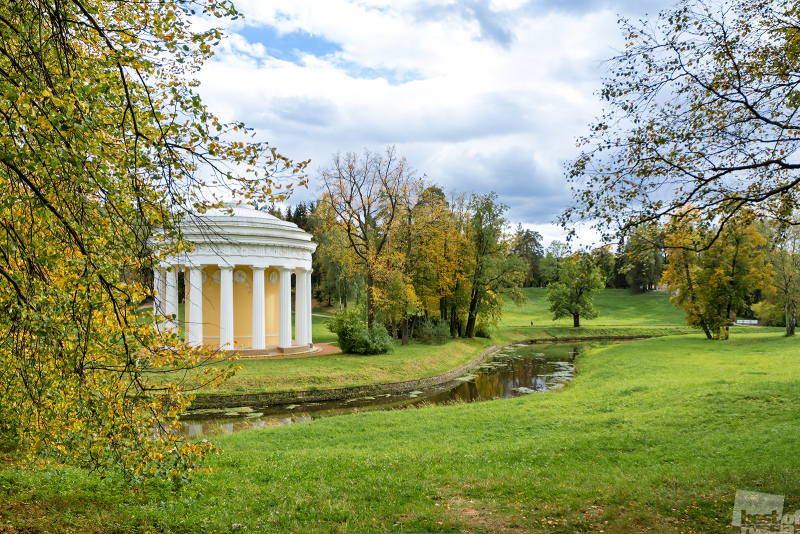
44	124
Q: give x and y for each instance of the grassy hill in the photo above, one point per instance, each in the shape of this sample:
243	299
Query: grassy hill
651	436
622	312
615	307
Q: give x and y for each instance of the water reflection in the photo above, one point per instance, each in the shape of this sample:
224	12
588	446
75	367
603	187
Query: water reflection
513	371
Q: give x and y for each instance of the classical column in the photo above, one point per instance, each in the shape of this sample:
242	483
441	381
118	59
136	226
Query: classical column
158	291
195	334
226	307
258	308
308	322
171	298
284	308
299	307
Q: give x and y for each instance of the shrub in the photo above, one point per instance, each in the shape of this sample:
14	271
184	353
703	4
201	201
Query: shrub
433	332
483	330
424	330
441	333
354	336
375	340
769	313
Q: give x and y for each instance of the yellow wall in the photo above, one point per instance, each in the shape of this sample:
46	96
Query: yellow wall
242	308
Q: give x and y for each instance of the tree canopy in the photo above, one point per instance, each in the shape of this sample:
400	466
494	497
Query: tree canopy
702	120
711	284
103	136
579	280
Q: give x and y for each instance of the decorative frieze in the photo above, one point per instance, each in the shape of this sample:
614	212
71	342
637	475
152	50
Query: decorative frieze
227	250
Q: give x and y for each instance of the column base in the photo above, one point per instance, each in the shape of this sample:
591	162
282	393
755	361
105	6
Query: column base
295	348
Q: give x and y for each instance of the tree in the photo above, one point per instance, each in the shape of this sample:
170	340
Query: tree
102	134
528	246
555	254
779	305
644	259
702	122
579	280
495	269
363	194
607	263
710	284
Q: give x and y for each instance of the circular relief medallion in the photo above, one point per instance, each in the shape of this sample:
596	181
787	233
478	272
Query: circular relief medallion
273	277
204	276
217	276
239	276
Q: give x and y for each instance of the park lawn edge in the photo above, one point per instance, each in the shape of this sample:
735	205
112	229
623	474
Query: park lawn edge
651	436
623	313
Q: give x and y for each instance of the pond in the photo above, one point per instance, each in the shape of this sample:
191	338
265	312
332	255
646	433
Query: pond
518	369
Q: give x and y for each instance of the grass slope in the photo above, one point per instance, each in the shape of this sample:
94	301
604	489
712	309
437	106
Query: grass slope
651	436
344	370
622	312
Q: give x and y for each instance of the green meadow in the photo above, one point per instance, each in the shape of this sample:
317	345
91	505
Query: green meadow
622	313
651	436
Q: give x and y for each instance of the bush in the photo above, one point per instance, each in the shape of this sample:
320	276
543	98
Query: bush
375	340
355	337
433	332
483	330
769	313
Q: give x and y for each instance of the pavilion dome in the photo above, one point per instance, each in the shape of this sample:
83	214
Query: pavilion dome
241	234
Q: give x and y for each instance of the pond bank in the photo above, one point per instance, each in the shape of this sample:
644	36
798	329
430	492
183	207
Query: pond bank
292	397
316	395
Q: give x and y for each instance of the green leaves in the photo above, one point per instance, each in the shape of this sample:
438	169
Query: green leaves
703	114
102	139
579	280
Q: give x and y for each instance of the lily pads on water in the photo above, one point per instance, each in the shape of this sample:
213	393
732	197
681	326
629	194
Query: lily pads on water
292	406
205	411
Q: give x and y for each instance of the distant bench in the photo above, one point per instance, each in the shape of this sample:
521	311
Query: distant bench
753	322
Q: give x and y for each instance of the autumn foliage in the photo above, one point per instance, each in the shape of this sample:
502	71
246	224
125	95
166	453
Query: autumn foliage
102	139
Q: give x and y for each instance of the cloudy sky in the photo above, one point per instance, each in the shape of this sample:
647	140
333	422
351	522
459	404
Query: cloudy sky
479	95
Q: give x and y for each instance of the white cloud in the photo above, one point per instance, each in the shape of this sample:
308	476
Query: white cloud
477	95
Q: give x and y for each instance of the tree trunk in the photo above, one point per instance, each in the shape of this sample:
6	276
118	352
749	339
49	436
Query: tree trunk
576	320
370	300
453	322
791	316
394	328
691	295
729	308
404	329
443	308
472	317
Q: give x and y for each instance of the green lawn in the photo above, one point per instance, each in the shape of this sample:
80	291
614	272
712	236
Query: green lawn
622	313
343	370
651	436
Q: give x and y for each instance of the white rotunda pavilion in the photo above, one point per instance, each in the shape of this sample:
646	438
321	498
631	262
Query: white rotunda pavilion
238	281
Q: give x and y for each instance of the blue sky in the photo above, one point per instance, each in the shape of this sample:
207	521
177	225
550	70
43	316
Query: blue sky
479	95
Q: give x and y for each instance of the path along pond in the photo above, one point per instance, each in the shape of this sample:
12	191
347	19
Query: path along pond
519	369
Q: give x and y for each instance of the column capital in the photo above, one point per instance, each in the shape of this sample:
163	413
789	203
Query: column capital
257	268
226	267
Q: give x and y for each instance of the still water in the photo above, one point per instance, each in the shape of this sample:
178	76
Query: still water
519	369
